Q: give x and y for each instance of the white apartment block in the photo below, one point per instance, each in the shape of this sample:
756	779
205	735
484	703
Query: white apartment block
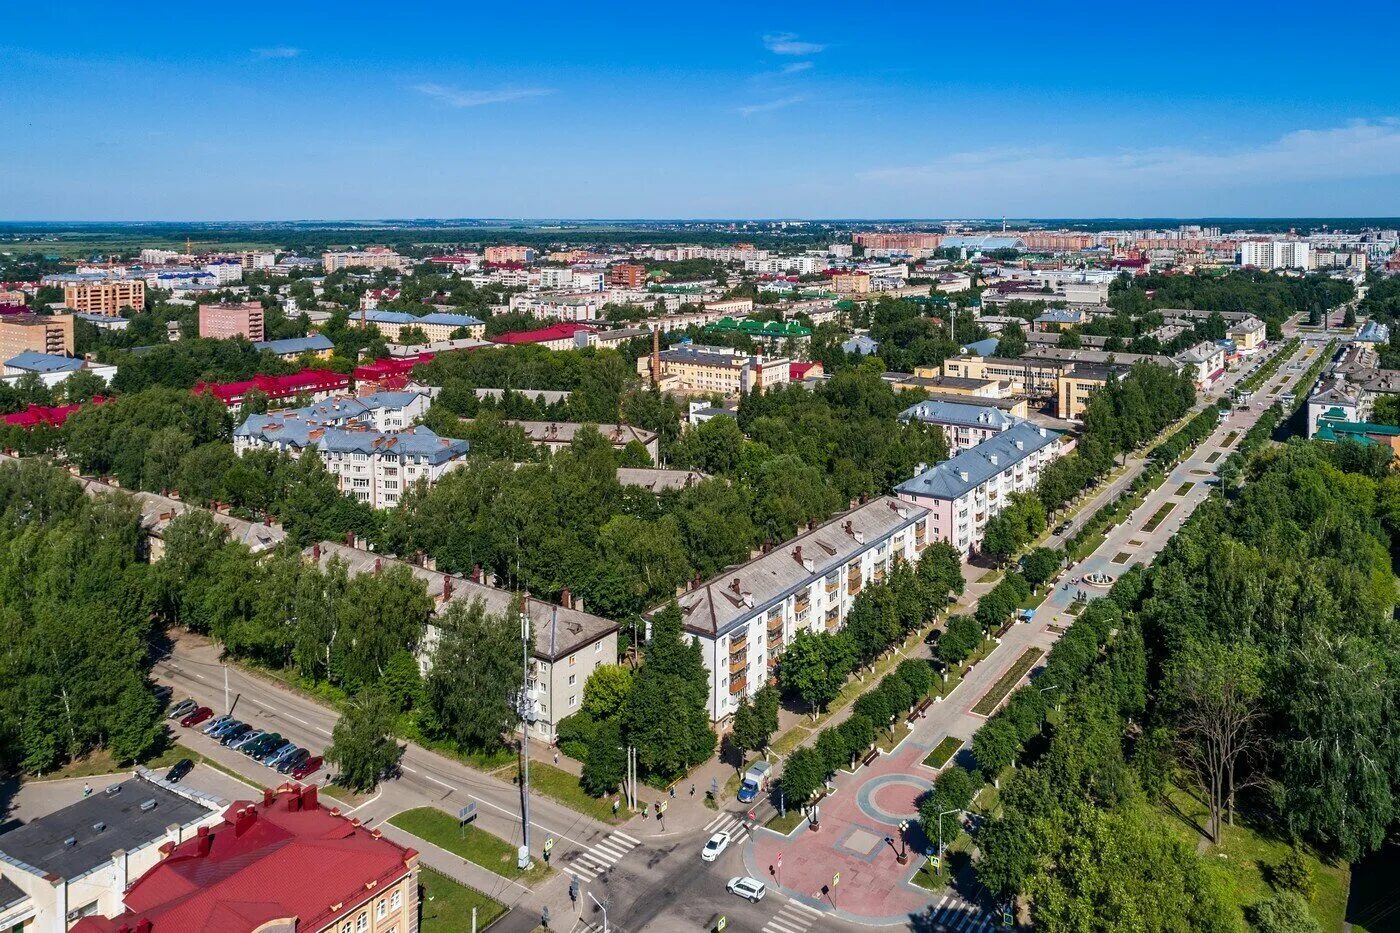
1276	254
369	443
746	616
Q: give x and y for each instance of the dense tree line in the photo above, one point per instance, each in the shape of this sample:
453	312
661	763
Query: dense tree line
75	606
1255	663
1268	295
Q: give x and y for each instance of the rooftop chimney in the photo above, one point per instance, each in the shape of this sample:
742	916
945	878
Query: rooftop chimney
308	797
566	599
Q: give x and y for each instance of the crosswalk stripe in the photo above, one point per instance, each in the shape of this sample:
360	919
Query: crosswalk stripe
615	849
776	925
621	835
801	906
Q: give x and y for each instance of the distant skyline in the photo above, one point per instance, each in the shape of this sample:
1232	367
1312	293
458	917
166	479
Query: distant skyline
786	111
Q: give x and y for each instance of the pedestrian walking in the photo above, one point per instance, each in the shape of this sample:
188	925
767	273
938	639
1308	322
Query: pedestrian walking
87	789
556	756
692	788
645	808
616	803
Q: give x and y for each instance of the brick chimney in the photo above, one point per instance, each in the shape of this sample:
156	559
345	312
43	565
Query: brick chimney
566	599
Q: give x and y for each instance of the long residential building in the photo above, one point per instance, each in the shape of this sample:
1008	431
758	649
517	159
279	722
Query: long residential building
40	333
106	296
376	257
367	443
964	425
225	321
963	493
744	617
440	325
718	369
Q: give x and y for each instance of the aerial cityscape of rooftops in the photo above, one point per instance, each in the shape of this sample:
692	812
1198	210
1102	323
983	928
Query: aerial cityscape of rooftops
686	473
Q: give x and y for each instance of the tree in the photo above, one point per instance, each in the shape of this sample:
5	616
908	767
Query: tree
1285	912
995	746
831	746
814	667
953	789
1293	874
917	674
1012	342
1069	339
858	734
961	636
803	774
1040	565
747	733
474	676
1219	719
606	690
361	745
667	715
136	725
606	762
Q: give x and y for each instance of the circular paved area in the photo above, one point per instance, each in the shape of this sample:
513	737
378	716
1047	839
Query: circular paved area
892	797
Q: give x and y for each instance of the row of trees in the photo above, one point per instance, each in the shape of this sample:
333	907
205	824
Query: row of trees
814	668
76	609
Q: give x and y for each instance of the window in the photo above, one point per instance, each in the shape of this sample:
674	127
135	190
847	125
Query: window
573	679
345	927
381	910
572	659
597	647
573	701
362	922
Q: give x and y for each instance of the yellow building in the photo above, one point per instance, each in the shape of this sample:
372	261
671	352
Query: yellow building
108	298
1028	376
718	369
851	283
52	333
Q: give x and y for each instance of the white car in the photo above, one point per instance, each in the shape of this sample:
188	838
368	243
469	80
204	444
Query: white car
751	888
715	847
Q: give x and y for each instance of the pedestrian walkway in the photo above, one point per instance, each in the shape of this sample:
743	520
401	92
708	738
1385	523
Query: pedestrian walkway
589	863
956	915
732	823
795	917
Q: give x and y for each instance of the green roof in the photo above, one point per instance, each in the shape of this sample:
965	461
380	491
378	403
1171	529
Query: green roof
729	325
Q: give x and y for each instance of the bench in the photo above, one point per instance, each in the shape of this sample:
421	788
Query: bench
871	756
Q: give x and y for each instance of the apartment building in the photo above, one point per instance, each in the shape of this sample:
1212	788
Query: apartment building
257	260
557	337
963	493
851	283
718	369
1029	376
627	275
80	860
1057	319
439	325
317	346
366	443
375	257
569	643
1205	362
964	425
225	321
105	296
315	384
1248	334
39	333
280	862
500	255
744	617
571	307
557	435
1276	254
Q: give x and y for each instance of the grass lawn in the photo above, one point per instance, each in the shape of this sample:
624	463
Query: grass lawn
786	824
1241	861
1214	456
887	744
1182	489
470	842
1122	557
1075	608
926	879
447	905
991	576
943	752
790	739
1035	599
993	697
1158	517
1088	546
562	786
102	762
1229	438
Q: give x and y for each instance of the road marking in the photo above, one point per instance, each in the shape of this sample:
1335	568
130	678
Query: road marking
436	781
737	828
795	917
365	804
593	861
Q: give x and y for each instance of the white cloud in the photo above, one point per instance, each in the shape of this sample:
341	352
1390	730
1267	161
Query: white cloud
455	97
281	51
1360	149
792	68
749	110
787	43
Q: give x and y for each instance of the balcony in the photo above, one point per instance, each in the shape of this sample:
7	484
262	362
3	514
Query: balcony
738	662
775	624
832	584
775	640
801	606
739	642
832	621
878	576
737	685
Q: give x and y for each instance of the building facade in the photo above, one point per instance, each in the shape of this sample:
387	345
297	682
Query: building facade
225	321
39	333
376	257
963	493
105	297
965	426
719	369
746	616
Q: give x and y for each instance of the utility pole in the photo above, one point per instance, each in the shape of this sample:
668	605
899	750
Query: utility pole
604	909
526	710
940	836
227	709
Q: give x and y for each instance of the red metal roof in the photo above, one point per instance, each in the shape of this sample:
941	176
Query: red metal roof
285	857
384	368
35	415
556	332
800	370
275	387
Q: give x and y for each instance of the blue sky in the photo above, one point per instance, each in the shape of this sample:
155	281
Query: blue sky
662	110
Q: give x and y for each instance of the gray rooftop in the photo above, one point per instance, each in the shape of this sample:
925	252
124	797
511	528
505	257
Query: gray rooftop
658	480
740	592
315	343
973	467
37	362
956	413
100	825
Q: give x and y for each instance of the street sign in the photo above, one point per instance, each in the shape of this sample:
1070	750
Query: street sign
835	879
467	813
661	808
780	860
549	844
721	923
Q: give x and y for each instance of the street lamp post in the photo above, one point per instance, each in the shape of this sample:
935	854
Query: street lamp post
604	909
526	709
940	835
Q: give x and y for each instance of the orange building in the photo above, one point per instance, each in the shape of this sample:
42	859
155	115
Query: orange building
627	275
226	321
42	333
109	298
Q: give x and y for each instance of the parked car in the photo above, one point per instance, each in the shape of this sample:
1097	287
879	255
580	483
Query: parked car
291	761
1061	528
283	755
274	753
225	729
197	717
755	781
751	888
255	749
183	708
215	723
307	767
246	738
177	771
234	734
715	847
